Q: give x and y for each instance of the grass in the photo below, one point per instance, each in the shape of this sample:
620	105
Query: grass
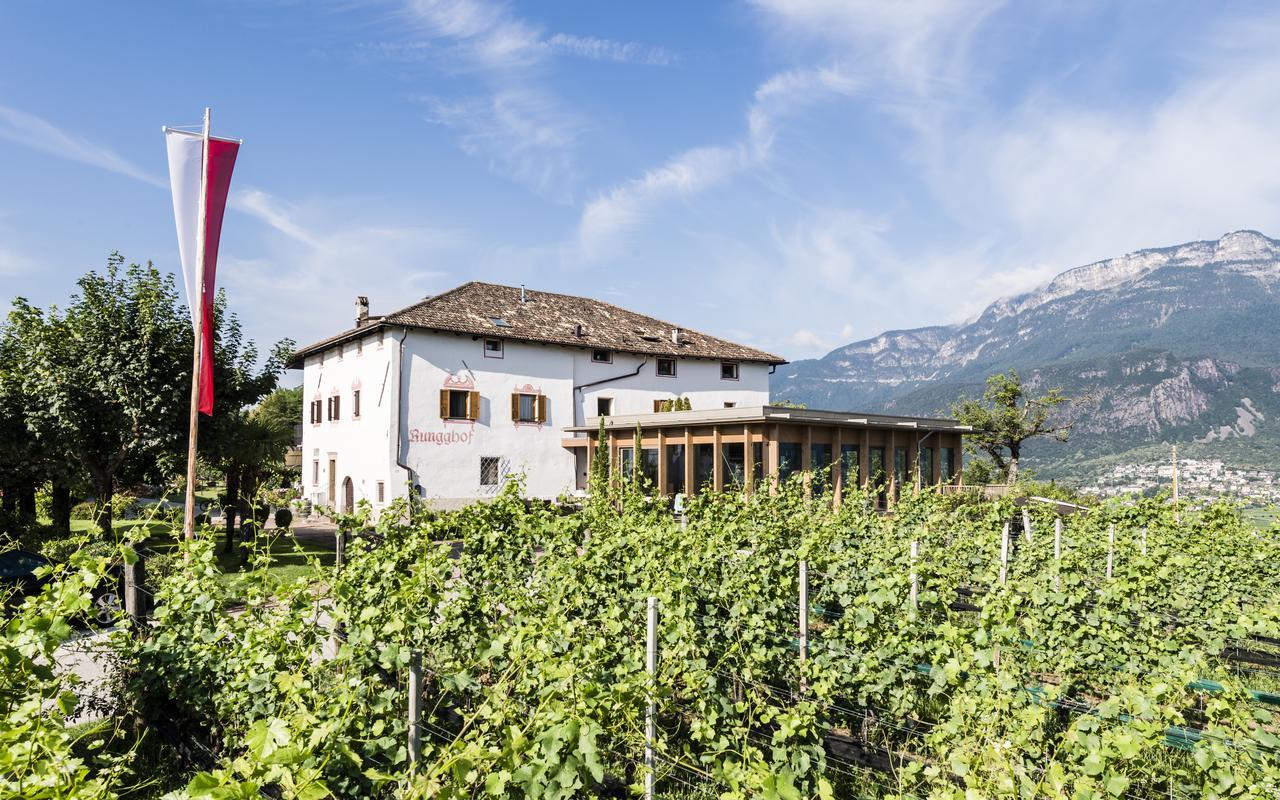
289	555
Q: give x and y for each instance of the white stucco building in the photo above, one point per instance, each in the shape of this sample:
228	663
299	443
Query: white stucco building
451	396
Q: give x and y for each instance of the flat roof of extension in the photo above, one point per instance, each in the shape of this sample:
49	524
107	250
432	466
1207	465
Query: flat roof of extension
745	415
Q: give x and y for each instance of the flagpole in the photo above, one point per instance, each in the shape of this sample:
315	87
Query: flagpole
189	515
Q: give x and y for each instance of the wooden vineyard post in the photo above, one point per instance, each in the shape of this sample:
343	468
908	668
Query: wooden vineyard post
1026	525
133	605
415	708
1057	553
915	582
1004	554
804	622
340	548
650	710
1004	576
1177	513
1144	540
1111	548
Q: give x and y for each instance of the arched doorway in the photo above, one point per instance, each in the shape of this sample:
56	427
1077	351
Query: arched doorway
348	496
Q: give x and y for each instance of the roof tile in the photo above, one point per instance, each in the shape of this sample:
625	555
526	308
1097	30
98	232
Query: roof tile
477	308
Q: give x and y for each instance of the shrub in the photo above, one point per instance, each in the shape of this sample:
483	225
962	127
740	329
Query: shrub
123	506
284	517
160	566
85	509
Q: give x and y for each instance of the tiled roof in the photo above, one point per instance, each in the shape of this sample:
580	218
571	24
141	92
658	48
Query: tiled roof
487	309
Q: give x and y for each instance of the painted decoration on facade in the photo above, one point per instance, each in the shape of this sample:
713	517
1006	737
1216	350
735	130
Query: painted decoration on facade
441	437
460	381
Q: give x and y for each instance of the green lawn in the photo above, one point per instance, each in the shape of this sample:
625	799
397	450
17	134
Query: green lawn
289	556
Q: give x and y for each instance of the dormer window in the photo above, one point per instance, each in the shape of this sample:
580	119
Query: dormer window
666	367
499	322
728	370
601	357
493	348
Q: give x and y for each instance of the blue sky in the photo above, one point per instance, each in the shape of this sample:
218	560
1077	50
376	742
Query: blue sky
794	174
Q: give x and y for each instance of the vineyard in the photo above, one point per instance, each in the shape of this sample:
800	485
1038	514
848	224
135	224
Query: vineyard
1132	651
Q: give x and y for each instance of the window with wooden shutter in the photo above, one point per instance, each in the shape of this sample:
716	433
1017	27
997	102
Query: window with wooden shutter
355	404
473	406
524	407
542	408
337	402
444	404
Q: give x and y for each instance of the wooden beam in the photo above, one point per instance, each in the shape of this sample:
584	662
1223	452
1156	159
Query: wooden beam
864	459
717	464
662	463
771	458
806	459
748	460
689	485
837	467
892	458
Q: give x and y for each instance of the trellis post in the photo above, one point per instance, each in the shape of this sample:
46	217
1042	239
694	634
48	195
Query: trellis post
1111	548
1144	540
340	548
1004	554
133	604
650	711
1026	525
804	622
415	708
1057	553
915	581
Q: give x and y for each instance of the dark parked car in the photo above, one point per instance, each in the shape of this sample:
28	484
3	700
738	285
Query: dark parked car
18	581
17	576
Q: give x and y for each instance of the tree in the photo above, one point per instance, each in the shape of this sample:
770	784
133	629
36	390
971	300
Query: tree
106	380
283	407
1006	417
599	479
28	460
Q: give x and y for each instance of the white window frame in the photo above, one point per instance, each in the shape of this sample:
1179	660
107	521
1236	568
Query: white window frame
608	356
737	370
533	400
657	368
499	353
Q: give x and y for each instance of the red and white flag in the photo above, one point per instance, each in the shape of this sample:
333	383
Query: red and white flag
190	173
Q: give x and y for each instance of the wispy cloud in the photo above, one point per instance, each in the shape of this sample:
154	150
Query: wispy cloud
599	49
270	210
331	252
921	46
612	213
519	128
1073	181
521	132
491	36
38	133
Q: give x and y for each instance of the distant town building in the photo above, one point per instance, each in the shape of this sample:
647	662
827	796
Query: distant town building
453	395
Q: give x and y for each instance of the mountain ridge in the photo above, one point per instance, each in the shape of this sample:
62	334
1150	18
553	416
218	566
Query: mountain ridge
1158	344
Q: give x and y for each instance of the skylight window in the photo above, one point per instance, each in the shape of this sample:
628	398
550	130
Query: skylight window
499	322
